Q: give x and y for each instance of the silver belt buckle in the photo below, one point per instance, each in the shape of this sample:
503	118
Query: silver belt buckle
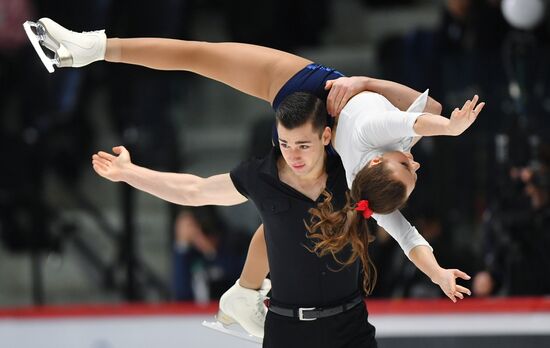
301	313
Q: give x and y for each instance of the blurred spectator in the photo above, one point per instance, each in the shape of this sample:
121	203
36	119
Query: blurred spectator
516	237
208	254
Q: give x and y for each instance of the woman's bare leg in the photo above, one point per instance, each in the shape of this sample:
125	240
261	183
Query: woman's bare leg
255	70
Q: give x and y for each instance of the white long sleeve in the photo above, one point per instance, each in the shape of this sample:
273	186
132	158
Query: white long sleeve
401	230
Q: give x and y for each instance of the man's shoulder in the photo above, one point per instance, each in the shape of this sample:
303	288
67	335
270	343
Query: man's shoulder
255	165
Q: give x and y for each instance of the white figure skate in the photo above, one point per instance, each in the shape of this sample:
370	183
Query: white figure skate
245	307
57	46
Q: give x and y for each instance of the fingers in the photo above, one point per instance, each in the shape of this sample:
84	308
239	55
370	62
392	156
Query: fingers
474	101
463	290
460	292
471	105
118	149
334	99
339	103
100	165
105	155
328	84
451	296
459	274
99	168
478	108
343	102
466	105
331	98
97	158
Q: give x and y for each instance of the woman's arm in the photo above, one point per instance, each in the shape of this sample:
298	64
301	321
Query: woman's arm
424	259
460	120
184	189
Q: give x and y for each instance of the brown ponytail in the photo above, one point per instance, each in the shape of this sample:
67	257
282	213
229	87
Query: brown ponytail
333	230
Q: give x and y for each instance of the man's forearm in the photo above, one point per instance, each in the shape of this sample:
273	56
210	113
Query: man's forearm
400	95
172	187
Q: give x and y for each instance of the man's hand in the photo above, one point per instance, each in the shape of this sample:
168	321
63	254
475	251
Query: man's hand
446	279
342	90
109	166
462	119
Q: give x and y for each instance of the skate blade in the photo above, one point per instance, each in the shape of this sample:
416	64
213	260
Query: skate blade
216	325
35	39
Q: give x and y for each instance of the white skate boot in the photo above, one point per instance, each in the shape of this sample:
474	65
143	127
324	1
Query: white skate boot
61	47
245	307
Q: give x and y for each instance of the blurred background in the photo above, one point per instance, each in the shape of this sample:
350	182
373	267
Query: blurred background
68	236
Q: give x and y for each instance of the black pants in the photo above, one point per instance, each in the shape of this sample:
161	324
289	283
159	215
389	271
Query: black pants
350	329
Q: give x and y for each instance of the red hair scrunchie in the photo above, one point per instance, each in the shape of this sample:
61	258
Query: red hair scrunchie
363	206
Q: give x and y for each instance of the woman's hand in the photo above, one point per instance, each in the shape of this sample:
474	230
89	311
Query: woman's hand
446	279
462	119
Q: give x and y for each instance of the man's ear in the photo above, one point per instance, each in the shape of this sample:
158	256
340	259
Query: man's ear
326	136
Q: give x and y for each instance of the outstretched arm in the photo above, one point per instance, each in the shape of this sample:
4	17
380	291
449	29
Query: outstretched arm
184	189
255	70
460	120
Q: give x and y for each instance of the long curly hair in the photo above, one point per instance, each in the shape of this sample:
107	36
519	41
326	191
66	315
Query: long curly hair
332	230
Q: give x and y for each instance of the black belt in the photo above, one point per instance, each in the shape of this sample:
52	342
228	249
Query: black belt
313	313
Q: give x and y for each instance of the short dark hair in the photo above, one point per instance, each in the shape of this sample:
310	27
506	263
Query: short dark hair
299	108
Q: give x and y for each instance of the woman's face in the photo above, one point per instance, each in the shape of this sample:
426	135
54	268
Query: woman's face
402	165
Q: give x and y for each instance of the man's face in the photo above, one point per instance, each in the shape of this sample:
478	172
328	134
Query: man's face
303	148
402	165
